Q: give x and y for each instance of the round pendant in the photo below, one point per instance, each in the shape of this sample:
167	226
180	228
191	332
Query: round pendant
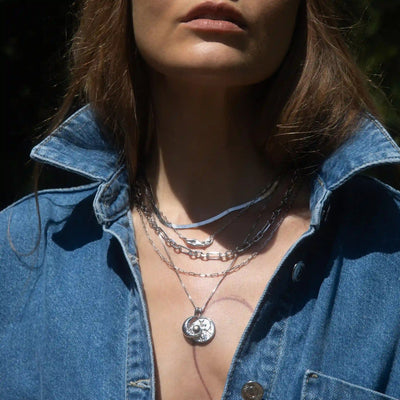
199	330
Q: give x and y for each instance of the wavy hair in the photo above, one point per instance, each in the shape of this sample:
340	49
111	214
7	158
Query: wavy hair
311	104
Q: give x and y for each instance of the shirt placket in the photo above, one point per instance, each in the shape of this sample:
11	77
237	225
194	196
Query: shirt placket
140	381
255	366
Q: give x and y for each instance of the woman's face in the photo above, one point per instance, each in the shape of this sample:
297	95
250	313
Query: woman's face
223	42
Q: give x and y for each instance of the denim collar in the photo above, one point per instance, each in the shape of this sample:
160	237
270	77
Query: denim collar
368	147
78	146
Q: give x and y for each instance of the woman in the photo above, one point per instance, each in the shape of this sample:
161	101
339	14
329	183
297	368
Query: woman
228	246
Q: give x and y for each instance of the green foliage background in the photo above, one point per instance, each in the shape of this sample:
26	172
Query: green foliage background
34	40
373	30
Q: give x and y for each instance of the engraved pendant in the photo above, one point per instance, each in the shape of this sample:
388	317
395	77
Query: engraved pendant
201	244
199	330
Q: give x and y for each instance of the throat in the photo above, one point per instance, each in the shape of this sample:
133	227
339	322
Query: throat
194	191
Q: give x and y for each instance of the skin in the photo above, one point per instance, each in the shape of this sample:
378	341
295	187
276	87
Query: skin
202	85
175	51
209	78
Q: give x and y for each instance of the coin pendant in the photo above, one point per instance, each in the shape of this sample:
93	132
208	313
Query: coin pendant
199	330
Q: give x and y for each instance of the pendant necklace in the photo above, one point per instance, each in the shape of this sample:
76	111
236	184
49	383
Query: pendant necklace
197	328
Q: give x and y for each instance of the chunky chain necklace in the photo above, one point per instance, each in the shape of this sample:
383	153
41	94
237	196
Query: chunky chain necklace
197	328
266	193
173	267
246	261
251	239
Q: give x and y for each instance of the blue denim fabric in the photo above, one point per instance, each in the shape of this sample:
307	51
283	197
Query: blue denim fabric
73	320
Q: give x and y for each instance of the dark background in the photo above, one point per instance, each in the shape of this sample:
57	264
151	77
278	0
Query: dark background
34	41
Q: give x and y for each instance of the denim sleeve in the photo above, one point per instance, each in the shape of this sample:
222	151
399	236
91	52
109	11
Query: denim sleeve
25	241
20	259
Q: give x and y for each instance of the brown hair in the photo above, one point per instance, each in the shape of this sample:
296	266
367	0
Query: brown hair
311	104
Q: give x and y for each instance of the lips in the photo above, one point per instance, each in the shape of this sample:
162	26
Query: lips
216	11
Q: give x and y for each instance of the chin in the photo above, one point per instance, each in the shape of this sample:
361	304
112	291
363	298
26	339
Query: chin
217	78
217	72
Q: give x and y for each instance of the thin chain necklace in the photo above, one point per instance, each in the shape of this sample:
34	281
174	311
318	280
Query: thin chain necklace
173	267
266	193
197	328
164	221
229	270
251	239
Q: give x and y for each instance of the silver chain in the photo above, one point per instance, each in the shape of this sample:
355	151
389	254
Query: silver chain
230	269
199	310
248	242
172	266
163	220
265	194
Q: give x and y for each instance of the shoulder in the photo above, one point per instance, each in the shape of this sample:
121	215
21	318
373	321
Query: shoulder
364	232
361	254
27	226
367	204
20	222
53	198
32	231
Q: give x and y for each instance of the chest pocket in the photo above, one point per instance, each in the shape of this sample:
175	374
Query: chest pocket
317	386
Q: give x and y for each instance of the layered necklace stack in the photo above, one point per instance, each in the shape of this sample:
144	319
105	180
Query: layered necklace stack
197	328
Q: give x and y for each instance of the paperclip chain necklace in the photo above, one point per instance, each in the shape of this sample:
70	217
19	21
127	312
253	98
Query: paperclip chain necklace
197	328
172	266
273	224
250	240
266	193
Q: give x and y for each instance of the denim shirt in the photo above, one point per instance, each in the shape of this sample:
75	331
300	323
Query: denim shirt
73	318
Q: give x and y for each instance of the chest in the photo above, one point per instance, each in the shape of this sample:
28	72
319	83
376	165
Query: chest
336	336
184	369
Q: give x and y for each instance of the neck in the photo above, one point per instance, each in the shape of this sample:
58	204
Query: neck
204	159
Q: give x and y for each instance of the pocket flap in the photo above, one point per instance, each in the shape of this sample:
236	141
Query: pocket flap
317	386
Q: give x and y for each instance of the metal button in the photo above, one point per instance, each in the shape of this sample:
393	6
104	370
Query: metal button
311	375
297	272
252	391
